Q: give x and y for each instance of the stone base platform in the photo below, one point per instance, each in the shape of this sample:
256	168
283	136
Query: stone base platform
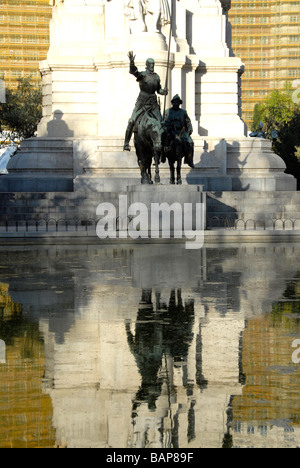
223	209
101	165
41	165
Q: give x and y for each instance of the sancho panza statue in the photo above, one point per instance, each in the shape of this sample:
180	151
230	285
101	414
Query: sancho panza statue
179	125
150	84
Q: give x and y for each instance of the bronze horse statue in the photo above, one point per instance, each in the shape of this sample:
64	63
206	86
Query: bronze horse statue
174	152
178	143
148	146
146	120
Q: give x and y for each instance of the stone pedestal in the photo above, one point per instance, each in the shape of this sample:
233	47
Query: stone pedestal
220	165
175	210
165	194
70	82
89	95
86	85
252	165
41	165
100	166
218	97
241	164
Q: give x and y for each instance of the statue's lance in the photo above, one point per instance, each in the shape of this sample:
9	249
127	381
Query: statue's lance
169	52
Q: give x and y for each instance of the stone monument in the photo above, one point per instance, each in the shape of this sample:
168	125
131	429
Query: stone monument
88	91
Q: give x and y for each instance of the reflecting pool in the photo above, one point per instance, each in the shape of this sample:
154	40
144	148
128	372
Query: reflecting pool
150	346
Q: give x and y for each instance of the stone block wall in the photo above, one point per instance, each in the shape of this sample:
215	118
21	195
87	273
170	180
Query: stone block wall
246	206
260	208
56	206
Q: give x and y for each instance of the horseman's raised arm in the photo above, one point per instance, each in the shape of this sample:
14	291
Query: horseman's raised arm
133	69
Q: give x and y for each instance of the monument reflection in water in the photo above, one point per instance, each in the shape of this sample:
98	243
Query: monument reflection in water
154	346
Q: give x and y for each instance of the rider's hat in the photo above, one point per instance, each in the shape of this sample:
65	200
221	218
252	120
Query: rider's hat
177	98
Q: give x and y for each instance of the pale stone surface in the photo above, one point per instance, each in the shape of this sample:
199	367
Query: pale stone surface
100	165
89	45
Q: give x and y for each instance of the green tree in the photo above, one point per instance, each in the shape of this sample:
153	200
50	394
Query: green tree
288	145
23	109
279	112
276	111
258	115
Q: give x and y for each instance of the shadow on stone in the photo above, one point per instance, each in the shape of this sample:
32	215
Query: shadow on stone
219	214
58	127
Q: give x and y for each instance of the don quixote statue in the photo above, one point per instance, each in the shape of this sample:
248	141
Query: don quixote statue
146	120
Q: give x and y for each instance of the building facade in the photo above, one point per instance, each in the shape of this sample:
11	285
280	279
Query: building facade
266	36
24	38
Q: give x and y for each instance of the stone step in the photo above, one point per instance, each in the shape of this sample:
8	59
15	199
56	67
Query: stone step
248	144
255	194
268	207
244	215
287	199
47	143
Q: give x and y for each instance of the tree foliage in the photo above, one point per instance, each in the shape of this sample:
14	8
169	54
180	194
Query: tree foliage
23	109
279	112
288	144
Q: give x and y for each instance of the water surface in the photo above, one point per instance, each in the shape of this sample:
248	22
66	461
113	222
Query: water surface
149	346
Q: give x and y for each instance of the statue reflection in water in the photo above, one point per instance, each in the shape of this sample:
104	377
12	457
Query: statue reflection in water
161	339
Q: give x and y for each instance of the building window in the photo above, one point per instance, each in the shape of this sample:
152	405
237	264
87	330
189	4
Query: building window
32	39
16	39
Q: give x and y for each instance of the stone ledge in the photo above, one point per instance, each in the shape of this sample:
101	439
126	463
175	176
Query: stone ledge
213	237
